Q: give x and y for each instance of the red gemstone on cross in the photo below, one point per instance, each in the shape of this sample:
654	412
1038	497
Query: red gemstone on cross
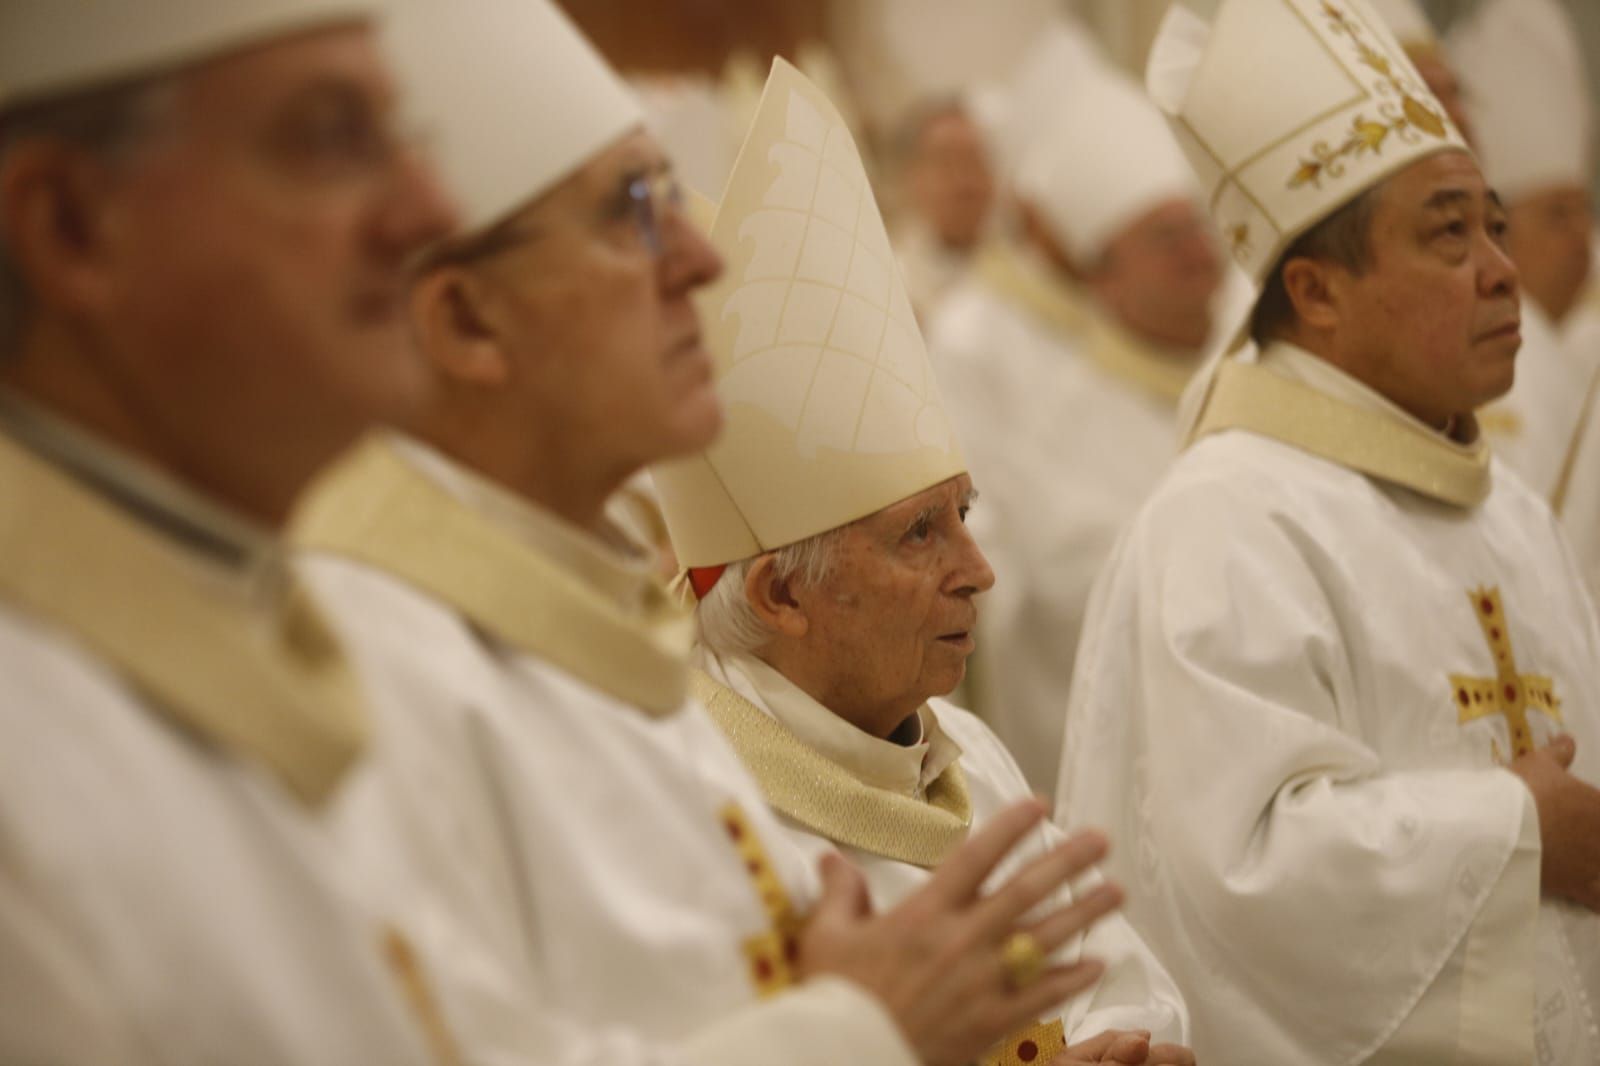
763	969
1486	605
1511	692
1027	1051
1461	694
735	830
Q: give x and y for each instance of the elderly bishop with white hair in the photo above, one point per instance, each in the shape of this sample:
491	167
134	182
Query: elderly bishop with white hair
838	585
1335	700
589	852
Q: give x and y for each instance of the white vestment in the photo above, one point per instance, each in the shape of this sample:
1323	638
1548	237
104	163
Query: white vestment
1532	428
895	808
1577	495
1303	663
1069	423
562	810
171	732
930	267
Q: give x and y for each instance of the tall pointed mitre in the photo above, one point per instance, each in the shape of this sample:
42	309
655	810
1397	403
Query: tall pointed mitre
1105	157
512	95
49	48
1287	110
1528	95
832	409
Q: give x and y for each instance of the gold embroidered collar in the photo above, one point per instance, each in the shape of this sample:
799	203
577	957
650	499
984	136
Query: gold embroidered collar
1384	444
825	798
519	583
1118	353
1055	303
232	658
1024	280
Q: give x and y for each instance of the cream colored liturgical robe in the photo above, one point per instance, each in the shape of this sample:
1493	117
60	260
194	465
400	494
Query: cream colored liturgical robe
1069	423
562	810
897	807
1305	663
174	721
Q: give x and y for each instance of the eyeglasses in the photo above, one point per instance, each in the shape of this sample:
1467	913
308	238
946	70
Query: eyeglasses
648	198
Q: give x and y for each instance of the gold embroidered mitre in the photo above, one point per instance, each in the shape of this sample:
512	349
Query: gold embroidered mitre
1287	110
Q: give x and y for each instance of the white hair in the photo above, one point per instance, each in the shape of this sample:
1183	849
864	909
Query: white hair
728	625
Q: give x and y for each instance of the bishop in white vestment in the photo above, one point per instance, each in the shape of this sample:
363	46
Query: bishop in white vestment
581	837
863	529
176	720
1069	362
1325	662
1532	110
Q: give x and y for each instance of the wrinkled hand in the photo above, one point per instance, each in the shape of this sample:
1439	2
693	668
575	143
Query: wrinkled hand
1131	1047
934	961
1569	823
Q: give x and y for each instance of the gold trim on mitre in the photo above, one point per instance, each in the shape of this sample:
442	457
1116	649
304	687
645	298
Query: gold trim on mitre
376	508
255	675
1288	109
820	795
1253	398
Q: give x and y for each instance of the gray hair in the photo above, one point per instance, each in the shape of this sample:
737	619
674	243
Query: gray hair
106	123
728	625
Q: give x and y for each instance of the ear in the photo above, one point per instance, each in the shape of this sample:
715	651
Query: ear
1312	287
57	225
450	311
773	600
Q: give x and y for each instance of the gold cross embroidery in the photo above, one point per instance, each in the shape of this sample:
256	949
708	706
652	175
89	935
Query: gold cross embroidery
771	954
1508	694
1038	1044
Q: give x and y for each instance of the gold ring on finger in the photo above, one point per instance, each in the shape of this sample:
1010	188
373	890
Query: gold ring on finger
1023	960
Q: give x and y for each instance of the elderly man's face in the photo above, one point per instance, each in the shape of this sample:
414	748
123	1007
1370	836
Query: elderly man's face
951	182
892	623
250	289
1158	277
592	304
1433	323
1549	241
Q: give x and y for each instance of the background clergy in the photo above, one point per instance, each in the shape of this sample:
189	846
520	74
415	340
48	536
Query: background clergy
569	820
1531	107
1069	354
853	587
1322	695
197	307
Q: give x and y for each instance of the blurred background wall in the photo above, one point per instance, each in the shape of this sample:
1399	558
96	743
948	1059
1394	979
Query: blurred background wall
882	54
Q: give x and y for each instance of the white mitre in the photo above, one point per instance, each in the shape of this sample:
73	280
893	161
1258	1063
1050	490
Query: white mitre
832	410
1528	96
513	97
1287	110
1105	158
1040	86
50	47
